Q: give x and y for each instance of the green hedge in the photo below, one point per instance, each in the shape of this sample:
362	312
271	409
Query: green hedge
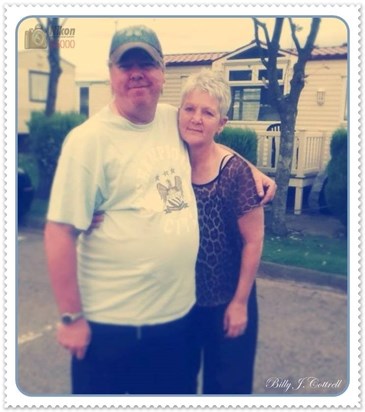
243	141
46	136
336	188
28	163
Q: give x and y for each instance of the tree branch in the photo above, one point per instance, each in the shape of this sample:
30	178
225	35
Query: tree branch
293	29
257	26
43	27
304	53
273	52
312	36
278	28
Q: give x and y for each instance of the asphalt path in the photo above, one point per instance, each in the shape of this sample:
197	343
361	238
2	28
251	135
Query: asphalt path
303	333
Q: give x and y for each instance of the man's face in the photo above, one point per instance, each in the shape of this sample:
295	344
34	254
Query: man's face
136	81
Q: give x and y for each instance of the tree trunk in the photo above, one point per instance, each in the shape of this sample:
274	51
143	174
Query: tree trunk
54	64
287	105
282	177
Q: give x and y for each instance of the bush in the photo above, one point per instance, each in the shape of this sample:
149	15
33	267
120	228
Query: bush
243	141
47	135
28	163
336	188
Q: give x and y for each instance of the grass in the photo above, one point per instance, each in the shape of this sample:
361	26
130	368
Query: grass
320	253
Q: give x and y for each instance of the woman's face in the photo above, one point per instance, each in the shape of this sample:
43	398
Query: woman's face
199	118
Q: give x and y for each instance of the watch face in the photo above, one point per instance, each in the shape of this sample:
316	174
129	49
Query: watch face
66	319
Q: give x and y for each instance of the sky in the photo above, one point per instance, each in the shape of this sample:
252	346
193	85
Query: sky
88	48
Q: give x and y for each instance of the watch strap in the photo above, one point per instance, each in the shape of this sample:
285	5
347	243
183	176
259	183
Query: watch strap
67	318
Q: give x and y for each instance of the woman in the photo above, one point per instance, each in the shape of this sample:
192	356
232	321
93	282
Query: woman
231	223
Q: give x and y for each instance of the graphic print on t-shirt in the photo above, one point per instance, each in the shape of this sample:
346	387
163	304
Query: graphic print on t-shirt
172	196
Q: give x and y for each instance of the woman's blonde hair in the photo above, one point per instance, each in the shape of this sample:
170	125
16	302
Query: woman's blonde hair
212	82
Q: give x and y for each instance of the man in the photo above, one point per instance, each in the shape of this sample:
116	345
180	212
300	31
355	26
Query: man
125	291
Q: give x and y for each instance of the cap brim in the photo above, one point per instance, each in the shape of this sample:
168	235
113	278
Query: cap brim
119	51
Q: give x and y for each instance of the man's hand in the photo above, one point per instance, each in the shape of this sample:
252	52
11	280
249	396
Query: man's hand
96	222
265	186
75	337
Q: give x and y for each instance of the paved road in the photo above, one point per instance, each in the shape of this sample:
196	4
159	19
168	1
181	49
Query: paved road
302	338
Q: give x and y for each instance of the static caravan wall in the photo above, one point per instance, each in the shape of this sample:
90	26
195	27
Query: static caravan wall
99	96
322	103
328	76
66	91
175	77
27	61
36	60
326	79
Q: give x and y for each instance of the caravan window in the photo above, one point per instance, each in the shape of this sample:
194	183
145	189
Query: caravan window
251	104
38	86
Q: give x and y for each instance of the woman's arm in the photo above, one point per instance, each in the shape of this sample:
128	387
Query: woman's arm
251	226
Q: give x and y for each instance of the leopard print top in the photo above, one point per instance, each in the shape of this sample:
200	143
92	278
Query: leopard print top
220	203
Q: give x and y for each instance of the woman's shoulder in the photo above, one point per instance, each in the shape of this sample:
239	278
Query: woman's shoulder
237	163
227	153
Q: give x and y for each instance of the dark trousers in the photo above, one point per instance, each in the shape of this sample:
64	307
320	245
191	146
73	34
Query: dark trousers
135	360
228	363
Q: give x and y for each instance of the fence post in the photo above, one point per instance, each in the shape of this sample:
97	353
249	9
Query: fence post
300	152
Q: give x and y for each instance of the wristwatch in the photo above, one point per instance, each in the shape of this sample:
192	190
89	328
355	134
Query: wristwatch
68	318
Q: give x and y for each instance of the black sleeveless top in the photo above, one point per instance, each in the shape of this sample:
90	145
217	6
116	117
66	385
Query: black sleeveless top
221	203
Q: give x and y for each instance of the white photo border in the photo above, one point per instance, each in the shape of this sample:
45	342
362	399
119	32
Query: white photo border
349	13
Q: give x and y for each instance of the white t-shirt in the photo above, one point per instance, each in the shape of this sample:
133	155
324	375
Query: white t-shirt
139	266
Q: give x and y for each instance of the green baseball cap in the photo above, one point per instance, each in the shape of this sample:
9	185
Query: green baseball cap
133	37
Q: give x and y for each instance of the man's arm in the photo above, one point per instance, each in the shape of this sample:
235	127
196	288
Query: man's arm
265	186
60	246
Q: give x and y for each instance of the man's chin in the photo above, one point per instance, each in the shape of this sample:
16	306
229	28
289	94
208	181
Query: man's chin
143	98
139	90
